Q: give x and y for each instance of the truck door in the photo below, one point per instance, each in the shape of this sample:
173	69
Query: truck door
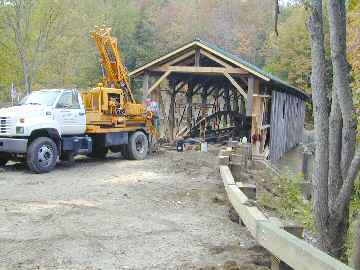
70	114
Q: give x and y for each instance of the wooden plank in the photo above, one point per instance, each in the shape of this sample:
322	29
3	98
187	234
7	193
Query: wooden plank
236	85
226	176
197	57
290	249
236	195
199	70
250	94
252	71
293	251
140	70
250	215
224	160
146	84
286	124
157	83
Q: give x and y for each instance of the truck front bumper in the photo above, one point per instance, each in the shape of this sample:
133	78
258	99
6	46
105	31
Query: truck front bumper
12	145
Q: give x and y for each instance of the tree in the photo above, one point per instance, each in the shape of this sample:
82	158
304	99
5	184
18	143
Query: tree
291	63
337	161
30	24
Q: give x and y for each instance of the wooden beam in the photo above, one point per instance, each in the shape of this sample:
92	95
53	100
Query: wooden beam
180	58
146	84
226	175
215	59
252	71
189	113
295	252
250	215
157	83
290	249
197	57
236	85
172	109
210	90
197	88
200	70
140	70
250	95
179	86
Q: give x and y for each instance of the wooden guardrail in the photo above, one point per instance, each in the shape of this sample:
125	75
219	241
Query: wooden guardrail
294	251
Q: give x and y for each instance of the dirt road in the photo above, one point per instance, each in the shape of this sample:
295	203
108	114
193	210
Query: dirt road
167	212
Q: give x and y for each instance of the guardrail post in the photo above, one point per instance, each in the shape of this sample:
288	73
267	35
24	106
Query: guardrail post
276	263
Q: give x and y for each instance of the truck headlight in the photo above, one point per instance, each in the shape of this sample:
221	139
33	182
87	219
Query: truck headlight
19	130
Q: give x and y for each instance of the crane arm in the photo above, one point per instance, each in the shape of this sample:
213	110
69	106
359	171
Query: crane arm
115	72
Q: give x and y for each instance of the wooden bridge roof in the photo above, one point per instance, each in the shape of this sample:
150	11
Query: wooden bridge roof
227	57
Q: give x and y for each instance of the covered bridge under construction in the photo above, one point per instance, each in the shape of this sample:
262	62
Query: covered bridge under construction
205	91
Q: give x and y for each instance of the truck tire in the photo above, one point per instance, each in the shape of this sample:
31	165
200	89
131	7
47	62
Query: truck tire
4	158
42	155
99	152
138	146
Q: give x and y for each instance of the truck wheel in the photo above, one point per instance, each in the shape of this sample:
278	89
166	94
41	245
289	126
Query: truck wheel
68	158
125	151
99	152
42	155
138	146
4	158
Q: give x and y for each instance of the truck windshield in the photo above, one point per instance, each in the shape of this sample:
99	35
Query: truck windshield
46	98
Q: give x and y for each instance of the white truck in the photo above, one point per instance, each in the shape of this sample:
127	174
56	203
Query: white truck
51	124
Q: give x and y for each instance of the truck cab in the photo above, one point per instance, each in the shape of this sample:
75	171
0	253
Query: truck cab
44	117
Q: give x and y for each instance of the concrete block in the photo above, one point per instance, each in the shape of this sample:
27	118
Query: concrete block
236	170
248	189
223	160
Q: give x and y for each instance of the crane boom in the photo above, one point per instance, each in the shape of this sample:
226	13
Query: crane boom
115	75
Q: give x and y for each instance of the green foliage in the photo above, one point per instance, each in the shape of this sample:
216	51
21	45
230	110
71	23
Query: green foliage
70	58
288	201
145	30
292	63
292	203
353	4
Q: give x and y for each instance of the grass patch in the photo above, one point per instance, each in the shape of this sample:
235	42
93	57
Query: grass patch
288	202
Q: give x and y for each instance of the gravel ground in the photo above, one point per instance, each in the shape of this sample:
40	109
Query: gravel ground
166	212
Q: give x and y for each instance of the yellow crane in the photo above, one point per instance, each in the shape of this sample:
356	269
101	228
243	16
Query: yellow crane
111	107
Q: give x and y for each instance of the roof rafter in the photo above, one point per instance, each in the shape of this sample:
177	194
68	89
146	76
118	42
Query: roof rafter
236	85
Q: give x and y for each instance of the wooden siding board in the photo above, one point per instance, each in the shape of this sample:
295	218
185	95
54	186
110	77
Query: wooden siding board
287	123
